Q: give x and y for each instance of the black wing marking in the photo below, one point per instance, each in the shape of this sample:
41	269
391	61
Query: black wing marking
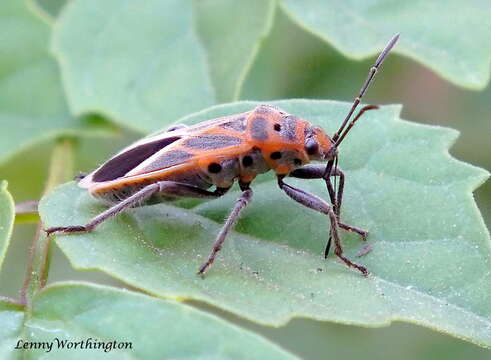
119	165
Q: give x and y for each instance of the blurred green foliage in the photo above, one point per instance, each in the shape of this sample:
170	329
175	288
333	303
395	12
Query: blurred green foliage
290	63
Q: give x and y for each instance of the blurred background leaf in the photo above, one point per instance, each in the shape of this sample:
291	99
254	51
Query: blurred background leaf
324	340
143	66
247	24
7	217
32	103
359	28
80	311
157	329
50	8
11	318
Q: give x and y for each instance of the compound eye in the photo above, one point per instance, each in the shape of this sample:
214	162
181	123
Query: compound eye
311	147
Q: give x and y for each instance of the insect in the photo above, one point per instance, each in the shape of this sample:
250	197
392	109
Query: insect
185	161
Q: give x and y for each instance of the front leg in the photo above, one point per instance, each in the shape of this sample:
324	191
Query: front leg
317	172
315	203
166	187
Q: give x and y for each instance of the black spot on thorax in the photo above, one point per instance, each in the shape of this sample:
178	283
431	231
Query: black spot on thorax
214	168
247	161
276	155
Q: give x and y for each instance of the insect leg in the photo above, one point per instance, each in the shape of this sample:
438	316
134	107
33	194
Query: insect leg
185	190
317	172
126	203
315	203
170	187
241	203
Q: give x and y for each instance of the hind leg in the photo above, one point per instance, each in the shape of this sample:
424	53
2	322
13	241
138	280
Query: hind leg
168	187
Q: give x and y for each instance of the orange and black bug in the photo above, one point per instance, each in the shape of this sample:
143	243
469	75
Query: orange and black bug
186	161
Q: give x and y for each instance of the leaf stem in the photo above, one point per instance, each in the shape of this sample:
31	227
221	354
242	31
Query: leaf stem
60	171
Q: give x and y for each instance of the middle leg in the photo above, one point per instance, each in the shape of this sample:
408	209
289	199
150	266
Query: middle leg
241	203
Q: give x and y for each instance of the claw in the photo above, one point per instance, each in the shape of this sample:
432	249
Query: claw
66	229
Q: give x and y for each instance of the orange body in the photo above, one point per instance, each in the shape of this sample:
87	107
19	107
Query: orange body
215	152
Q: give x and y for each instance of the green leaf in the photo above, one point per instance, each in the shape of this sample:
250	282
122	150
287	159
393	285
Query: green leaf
32	104
157	329
246	24
7	217
430	262
146	66
50	8
459	53
11	318
139	65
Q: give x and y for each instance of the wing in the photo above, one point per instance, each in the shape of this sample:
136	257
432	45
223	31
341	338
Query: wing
235	122
159	152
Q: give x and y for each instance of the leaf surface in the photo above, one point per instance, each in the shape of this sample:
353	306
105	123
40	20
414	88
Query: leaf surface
430	262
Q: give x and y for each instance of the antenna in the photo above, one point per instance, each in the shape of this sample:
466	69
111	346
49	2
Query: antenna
360	113
373	71
336	193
